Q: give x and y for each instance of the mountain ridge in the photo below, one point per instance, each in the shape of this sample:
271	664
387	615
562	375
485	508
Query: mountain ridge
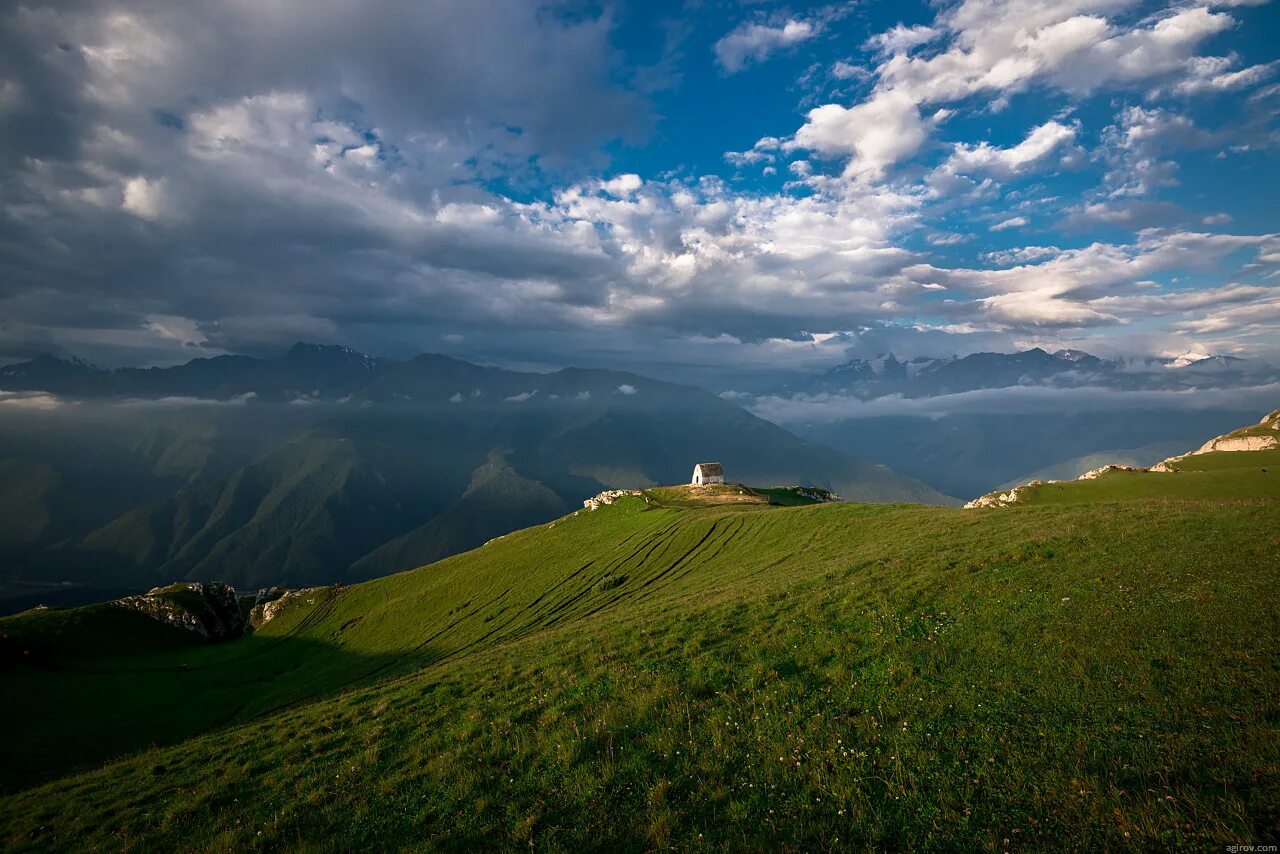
885	375
315	463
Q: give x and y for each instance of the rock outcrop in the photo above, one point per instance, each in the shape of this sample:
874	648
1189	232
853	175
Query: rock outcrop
1263	436
213	610
273	600
210	610
1247	439
1003	499
813	493
1099	472
608	497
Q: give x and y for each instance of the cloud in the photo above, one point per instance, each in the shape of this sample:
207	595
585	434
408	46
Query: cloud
393	175
875	134
1000	48
1101	284
626	389
754	42
1011	222
1013	400
31	401
842	70
901	39
1041	143
762	152
1135	147
146	199
1210	74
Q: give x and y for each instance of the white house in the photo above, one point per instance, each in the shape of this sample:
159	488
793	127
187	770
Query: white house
704	473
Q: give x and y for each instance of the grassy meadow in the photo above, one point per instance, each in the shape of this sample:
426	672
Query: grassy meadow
655	674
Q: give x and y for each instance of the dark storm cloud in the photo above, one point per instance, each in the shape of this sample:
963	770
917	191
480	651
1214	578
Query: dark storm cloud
162	159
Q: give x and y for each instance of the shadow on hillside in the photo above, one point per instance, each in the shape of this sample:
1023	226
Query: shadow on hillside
70	714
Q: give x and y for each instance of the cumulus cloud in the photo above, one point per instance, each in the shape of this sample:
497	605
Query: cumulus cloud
901	39
875	134
1096	285
395	174
999	48
1041	143
755	42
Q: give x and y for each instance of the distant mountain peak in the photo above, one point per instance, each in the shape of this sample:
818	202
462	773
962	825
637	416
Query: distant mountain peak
1186	360
1072	355
332	352
1189	358
51	369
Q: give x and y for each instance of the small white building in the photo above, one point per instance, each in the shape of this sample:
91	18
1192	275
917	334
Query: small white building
704	473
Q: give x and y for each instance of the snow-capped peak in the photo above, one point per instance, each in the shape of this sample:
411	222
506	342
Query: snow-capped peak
1187	359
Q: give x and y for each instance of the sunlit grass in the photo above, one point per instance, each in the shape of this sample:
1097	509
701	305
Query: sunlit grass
1075	676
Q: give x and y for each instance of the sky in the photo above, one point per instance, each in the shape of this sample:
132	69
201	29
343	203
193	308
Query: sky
690	190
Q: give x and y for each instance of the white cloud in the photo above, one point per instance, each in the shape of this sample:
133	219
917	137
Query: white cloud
145	198
1209	74
754	42
1041	143
1100	284
623	185
1029	399
1011	222
1000	48
761	152
901	39
627	389
876	133
842	70
1022	255
1135	146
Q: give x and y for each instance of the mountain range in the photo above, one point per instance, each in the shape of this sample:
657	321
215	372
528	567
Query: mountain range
328	465
885	375
970	424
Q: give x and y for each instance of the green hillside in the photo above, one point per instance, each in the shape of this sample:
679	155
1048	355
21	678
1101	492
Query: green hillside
332	492
1242	462
655	674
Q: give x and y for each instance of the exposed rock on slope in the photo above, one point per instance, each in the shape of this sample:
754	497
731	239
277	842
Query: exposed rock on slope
1002	499
608	497
275	600
214	610
1263	436
210	610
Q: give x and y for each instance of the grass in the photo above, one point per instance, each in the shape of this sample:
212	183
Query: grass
1212	476
1067	676
720	494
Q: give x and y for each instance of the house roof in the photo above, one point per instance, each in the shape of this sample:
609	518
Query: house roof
710	469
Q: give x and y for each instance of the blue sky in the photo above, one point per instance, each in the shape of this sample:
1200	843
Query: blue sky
681	188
